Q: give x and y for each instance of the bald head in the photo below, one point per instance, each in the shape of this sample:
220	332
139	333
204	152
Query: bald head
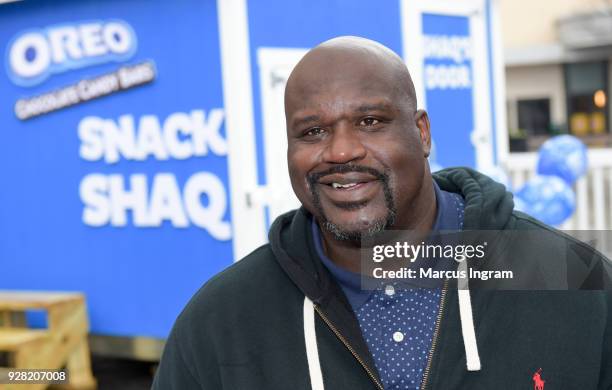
353	60
356	145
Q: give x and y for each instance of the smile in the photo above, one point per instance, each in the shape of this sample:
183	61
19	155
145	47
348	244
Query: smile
348	188
342	193
344	186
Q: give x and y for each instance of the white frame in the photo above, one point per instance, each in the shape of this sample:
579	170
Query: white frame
277	193
248	222
502	144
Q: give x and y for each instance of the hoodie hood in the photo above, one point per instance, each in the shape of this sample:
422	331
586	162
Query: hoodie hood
488	205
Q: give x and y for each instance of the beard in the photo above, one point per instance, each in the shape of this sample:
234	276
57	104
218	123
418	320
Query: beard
342	233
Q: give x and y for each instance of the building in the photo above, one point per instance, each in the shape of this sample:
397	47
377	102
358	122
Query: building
557	69
558	72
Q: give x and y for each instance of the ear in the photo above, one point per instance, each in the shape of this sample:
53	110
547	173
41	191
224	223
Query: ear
422	121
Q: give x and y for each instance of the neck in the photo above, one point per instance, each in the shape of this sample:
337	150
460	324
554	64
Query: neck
419	218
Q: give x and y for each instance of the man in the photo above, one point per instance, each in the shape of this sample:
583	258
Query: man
293	315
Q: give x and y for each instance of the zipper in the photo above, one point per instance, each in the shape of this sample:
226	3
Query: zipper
434	341
348	346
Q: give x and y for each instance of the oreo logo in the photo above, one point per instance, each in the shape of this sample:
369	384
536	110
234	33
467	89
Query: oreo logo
33	55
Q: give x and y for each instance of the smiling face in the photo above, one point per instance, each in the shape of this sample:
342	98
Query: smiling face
357	147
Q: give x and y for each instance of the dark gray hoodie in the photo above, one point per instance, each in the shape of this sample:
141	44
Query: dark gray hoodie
277	320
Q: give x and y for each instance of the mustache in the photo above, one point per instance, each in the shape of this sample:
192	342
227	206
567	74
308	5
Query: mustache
341	233
314	178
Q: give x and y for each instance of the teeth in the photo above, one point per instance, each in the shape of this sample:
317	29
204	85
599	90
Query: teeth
338	185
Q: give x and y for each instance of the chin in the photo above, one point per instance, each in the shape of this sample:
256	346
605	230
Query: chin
356	231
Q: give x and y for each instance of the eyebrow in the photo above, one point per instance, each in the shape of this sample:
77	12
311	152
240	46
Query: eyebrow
374	107
364	108
306	120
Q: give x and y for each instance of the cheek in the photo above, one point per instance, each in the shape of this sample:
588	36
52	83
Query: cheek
404	162
299	164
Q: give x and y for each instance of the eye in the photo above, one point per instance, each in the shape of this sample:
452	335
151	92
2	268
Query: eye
314	132
369	121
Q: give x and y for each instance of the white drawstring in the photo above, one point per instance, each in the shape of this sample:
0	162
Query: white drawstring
312	351
467	330
467	321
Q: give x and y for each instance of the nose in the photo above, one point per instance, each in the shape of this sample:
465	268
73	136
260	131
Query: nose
344	146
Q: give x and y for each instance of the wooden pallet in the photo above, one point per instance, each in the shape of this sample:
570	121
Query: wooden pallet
62	345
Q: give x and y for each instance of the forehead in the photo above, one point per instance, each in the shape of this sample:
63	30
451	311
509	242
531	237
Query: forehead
341	69
341	92
346	77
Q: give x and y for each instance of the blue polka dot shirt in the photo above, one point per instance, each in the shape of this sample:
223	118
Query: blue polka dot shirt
397	323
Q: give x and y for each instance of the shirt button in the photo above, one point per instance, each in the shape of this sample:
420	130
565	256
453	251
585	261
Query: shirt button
389	290
398	337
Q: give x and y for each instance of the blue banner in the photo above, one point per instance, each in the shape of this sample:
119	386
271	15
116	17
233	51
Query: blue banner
113	156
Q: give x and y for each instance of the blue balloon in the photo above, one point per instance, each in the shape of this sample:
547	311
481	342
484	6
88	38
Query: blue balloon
547	198
564	156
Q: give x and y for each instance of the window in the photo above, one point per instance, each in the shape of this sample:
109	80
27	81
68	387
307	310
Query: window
534	116
529	123
587	92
